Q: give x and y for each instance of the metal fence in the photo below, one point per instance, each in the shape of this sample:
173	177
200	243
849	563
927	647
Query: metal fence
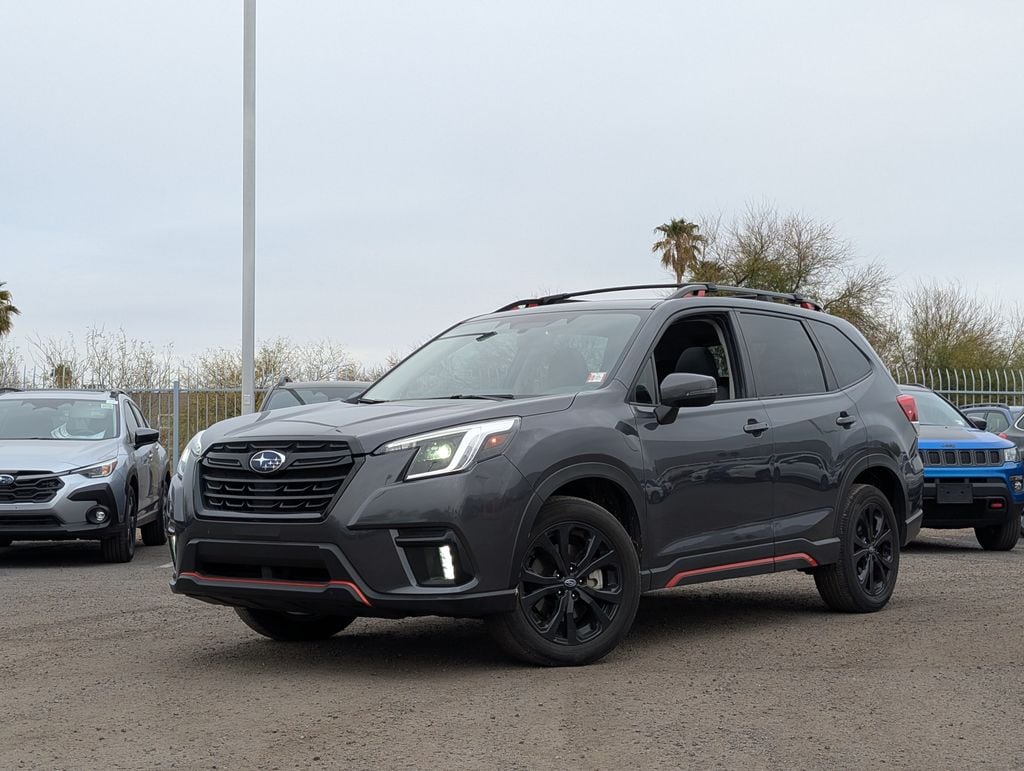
968	386
180	411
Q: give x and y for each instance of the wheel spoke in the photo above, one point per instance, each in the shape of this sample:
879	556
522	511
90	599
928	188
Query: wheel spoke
550	629
548	547
598	562
604	595
564	534
594	542
596	609
884	535
531	599
533	577
570	620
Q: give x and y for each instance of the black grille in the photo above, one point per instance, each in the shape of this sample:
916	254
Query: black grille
30	487
962	457
303	488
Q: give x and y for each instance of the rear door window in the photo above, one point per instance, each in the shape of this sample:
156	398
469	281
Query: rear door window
782	357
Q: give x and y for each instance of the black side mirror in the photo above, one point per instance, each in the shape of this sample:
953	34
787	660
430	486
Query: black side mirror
979	423
144	436
684	389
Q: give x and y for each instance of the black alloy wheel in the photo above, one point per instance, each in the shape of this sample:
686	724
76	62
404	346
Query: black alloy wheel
577	587
863	577
874	549
570	586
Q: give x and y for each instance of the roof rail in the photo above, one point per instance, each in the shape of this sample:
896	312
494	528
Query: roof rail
682	290
747	293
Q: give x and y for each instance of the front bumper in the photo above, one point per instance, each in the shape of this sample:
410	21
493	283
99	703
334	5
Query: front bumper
364	558
64	517
993	500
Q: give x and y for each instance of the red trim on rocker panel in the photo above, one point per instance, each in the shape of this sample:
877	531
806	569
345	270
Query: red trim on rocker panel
739	565
275	582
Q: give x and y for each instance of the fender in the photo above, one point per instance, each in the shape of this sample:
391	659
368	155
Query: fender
132	477
560	477
871	459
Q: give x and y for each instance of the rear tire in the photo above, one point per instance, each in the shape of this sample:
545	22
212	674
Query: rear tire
155	533
121	546
292	627
578	590
999	537
863	579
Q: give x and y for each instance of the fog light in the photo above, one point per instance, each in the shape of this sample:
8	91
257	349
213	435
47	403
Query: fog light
98	515
447	563
1017	483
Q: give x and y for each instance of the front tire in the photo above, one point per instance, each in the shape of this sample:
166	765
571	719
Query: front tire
999	537
578	591
292	627
121	546
155	533
863	579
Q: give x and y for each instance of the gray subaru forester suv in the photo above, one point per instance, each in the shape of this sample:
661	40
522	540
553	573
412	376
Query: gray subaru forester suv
80	464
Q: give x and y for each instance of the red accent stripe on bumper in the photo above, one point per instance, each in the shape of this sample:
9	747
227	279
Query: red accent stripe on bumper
738	565
276	582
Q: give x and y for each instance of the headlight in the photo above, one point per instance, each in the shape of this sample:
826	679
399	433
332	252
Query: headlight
1011	455
193	449
453	449
98	471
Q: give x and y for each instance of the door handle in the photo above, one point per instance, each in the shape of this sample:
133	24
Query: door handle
845	420
755	428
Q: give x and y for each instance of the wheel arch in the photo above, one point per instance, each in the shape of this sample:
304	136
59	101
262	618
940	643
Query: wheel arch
602	483
882	473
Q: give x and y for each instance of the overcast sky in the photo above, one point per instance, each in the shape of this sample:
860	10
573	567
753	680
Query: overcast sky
422	162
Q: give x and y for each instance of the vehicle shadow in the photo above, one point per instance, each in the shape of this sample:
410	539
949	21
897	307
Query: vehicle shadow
429	647
51	554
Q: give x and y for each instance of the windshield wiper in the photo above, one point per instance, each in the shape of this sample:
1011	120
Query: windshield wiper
492	397
363	400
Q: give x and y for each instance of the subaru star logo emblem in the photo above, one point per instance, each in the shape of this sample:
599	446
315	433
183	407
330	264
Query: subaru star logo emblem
6	480
266	461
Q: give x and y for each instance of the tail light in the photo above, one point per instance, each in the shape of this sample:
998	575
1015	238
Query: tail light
909	407
1002	435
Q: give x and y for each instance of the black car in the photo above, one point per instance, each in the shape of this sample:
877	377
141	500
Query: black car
544	465
288	393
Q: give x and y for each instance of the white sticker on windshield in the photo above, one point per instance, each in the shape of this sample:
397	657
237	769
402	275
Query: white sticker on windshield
596	377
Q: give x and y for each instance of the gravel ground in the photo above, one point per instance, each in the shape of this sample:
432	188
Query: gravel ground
101	667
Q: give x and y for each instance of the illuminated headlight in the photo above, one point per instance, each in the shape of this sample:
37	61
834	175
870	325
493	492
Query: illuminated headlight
1011	455
453	449
193	449
98	471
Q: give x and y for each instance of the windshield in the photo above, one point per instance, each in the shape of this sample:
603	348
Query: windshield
531	354
933	410
288	396
54	418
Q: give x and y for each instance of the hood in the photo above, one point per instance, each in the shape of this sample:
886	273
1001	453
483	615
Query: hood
950	437
367	426
53	454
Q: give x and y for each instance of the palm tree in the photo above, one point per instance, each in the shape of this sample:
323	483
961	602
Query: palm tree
7	310
680	245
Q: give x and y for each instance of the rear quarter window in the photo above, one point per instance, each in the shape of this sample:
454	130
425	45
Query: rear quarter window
849	363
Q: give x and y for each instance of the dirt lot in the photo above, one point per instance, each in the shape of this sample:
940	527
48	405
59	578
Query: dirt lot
101	667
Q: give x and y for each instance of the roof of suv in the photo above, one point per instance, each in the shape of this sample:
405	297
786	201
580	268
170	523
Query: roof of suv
62	393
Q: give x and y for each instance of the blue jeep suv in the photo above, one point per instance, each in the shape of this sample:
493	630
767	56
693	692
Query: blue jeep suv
972	478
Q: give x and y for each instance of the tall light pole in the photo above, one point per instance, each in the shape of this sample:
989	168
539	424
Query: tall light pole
248	206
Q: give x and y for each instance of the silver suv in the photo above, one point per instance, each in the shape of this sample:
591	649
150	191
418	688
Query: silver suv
80	464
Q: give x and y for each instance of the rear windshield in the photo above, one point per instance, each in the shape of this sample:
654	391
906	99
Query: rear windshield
58	419
933	410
